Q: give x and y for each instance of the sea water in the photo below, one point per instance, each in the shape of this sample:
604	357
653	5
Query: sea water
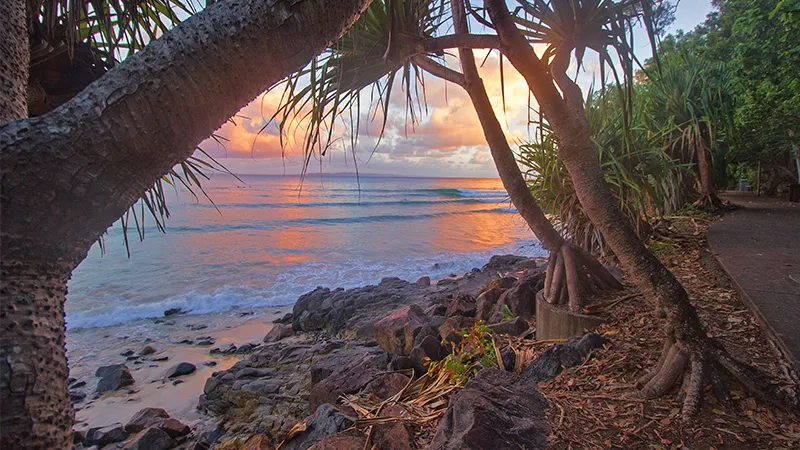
265	240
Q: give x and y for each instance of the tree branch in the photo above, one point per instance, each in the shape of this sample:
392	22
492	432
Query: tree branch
439	70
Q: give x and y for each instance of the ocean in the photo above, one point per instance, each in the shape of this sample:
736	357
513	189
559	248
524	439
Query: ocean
264	242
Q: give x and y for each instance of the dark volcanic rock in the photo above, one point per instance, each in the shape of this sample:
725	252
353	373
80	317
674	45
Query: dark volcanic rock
101	436
346	440
430	348
558	356
326	421
180	369
349	379
397	332
392	436
462	305
286	318
521	298
144	418
150	439
496	409
147	350
173	311
386	385
113	377
514	327
278	332
486	303
499	263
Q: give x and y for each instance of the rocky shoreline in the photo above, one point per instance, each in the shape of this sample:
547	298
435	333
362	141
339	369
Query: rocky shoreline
372	341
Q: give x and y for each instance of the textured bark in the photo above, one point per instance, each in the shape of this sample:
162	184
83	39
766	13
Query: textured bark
708	194
14	59
687	340
68	175
35	410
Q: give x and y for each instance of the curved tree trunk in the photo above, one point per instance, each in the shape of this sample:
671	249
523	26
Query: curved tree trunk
14	57
687	349
584	271
69	174
708	193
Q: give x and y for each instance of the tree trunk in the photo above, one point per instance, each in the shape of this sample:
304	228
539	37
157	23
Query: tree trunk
36	410
68	175
689	348
708	193
14	61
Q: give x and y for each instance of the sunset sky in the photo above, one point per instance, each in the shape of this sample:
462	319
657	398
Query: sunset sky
448	141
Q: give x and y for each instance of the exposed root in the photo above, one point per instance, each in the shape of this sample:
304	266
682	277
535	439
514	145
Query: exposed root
572	275
713	365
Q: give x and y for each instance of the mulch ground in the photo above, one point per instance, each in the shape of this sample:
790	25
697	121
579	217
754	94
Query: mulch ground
594	405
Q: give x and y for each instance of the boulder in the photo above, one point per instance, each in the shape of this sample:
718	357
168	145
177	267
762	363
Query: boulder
486	303
113	377
150	439
347	440
278	332
174	428
454	325
257	442
284	319
501	283
147	350
429	349
349	379
392	436
496	409
462	305
521	298
173	311
386	385
326	421
145	418
109	434
514	327
396	333
180	369
556	357
502	263
424	281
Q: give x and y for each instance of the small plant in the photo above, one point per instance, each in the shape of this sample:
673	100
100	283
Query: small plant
475	351
506	314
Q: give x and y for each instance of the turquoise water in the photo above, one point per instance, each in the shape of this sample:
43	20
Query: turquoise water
266	242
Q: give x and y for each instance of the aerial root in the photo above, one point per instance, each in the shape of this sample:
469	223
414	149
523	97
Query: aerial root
572	274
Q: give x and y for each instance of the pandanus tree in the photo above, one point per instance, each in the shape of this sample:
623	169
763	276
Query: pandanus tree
67	175
398	40
687	350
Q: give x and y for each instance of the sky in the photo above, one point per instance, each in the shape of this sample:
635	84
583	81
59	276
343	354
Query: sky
447	141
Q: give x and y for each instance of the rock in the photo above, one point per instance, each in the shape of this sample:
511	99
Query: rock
462	305
174	428
77	384
325	421
105	370
396	332
500	263
231	348
186	342
436	310
392	436
424	281
173	311
147	350
509	358
113	378
198	327
150	439
429	349
180	369
159	358
205	342
486	303
109	434
386	385
279	332
246	348
127	353
257	442
521	298
513	327
210	363
455	324
556	357
496	409
286	318
177	382
501	283
347	440
349	379
76	396
145	418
